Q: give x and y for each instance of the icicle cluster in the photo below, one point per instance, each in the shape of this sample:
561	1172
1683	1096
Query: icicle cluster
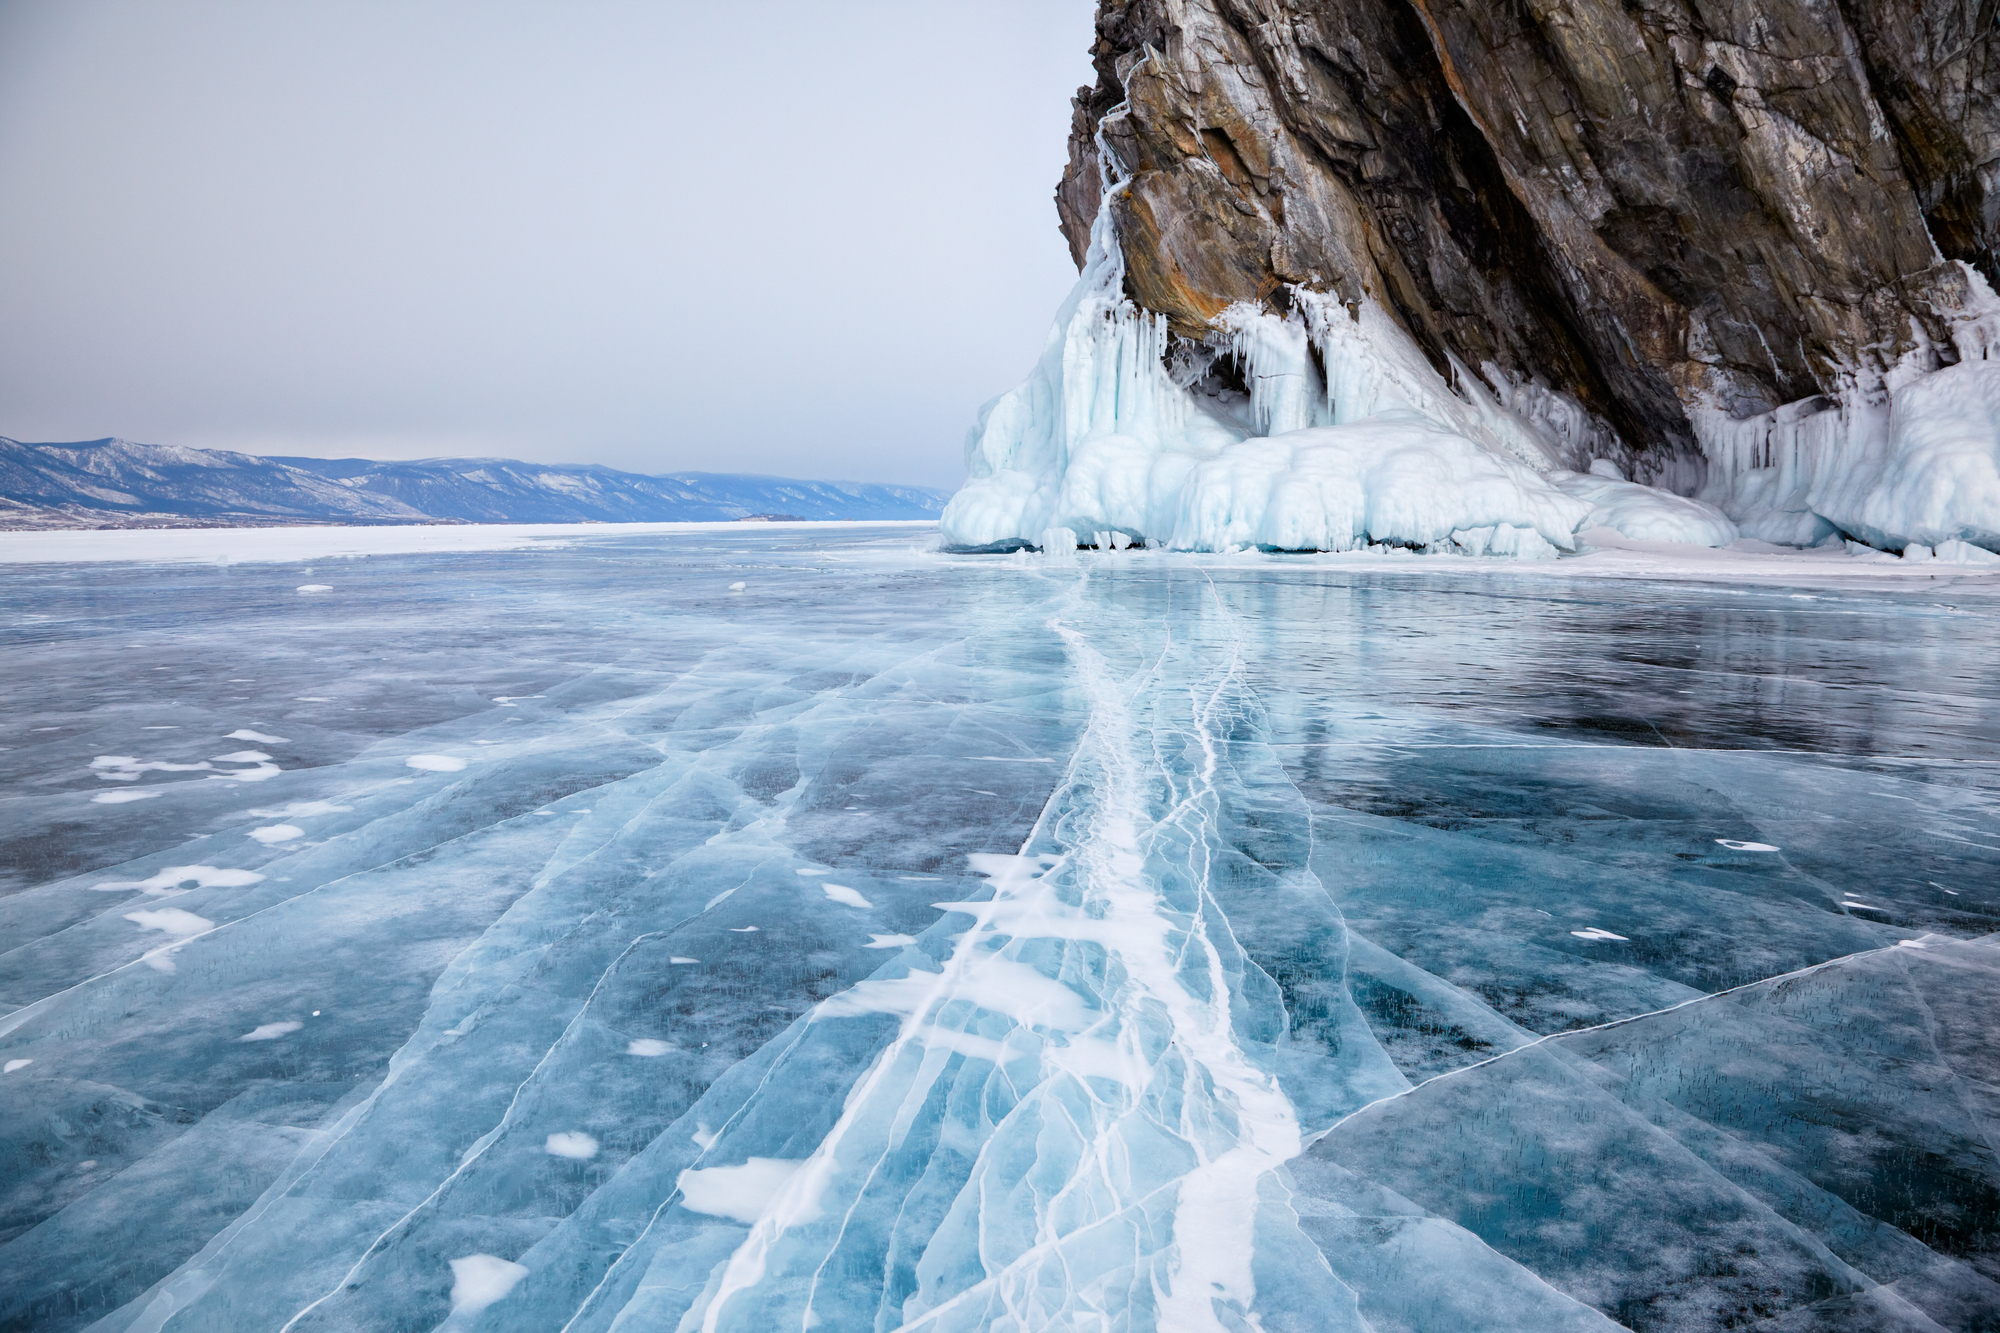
1909	459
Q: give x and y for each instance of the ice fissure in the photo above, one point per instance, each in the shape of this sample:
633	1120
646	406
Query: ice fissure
1122	1059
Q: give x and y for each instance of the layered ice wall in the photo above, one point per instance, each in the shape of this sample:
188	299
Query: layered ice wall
1339	434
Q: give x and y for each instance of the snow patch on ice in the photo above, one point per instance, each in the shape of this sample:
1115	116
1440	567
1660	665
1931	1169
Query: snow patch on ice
271	1031
1597	933
840	893
572	1144
302	810
648	1047
1735	845
13	1065
261	766
739	1193
272	833
171	878
435	763
315	587
889	941
126	768
172	920
478	1280
121	797
245	734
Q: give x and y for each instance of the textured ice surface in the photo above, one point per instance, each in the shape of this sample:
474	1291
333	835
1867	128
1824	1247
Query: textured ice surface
904	941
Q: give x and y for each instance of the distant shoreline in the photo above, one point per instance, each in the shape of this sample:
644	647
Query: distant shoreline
290	543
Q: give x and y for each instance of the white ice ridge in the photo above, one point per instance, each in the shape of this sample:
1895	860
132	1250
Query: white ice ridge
1092	1070
1107	441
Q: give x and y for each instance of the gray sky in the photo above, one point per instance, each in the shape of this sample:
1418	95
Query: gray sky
791	237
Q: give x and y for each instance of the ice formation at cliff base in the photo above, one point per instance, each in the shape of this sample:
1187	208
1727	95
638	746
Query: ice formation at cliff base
1322	426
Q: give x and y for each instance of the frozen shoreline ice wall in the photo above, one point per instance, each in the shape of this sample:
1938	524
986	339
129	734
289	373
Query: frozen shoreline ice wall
1118	432
1912	458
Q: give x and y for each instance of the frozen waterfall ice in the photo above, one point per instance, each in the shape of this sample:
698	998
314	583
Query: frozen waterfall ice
934	942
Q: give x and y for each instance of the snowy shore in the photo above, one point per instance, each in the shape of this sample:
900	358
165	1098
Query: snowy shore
1601	553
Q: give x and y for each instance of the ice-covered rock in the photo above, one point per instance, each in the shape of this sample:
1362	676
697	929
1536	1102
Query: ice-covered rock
1516	191
1341	435
1914	461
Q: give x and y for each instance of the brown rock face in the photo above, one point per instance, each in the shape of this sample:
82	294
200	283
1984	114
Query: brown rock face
1648	204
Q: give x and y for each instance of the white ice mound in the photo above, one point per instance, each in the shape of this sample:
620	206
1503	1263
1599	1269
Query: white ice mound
1342	436
1644	513
1102	439
1396	478
1939	477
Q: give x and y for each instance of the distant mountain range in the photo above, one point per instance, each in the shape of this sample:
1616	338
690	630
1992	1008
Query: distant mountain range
119	484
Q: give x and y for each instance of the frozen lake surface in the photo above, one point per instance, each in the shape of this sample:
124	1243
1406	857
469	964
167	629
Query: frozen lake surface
797	929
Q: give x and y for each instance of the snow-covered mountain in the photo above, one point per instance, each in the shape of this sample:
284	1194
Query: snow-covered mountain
117	483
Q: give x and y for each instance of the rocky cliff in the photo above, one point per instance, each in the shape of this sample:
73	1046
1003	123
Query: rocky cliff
1658	207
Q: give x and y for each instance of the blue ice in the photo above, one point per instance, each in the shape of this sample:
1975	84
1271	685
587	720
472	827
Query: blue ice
727	931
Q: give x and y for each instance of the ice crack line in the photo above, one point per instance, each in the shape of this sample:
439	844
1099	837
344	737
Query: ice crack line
1135	889
1617	1023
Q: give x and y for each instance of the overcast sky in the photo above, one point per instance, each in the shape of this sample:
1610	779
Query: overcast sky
803	238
